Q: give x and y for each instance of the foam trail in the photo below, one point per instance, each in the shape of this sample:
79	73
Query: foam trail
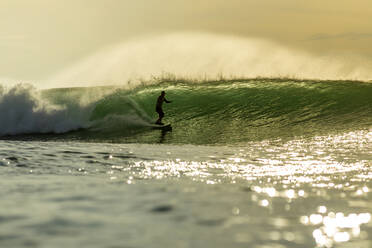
119	111
207	56
120	123
23	110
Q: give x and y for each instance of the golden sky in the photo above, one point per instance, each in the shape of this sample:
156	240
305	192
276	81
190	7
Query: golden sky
40	37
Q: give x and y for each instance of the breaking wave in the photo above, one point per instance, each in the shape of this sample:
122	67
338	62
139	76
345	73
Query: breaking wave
211	112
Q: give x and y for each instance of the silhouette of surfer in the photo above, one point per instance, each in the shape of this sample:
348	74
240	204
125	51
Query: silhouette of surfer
159	107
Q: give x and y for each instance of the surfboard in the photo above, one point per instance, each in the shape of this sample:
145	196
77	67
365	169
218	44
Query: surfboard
167	127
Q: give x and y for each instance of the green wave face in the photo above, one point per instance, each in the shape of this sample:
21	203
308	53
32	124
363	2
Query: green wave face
230	112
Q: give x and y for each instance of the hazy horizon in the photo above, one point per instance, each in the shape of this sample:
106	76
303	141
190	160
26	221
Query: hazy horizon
40	38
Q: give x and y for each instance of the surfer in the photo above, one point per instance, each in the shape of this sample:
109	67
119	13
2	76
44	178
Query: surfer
159	107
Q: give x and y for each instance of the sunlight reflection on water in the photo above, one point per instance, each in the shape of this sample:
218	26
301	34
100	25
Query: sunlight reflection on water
291	171
295	161
335	227
298	193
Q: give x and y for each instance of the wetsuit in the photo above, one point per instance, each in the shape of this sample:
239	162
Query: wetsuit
159	107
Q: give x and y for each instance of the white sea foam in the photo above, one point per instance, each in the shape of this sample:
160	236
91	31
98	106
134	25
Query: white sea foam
23	110
113	122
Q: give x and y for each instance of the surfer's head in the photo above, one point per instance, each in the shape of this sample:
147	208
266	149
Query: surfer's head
163	93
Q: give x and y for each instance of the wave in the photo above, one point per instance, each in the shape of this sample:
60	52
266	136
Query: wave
213	112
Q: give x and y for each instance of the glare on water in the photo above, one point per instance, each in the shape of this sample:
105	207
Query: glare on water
297	193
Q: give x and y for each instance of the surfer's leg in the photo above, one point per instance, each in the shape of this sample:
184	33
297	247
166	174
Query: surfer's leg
158	121
161	115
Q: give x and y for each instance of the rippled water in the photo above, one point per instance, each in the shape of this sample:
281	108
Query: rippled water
304	192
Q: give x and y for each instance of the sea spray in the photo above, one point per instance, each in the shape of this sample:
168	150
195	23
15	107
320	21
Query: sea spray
119	111
207	57
23	109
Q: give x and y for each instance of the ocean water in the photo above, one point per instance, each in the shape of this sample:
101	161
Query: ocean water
250	163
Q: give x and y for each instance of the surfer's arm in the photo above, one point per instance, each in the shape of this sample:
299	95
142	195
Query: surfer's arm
165	100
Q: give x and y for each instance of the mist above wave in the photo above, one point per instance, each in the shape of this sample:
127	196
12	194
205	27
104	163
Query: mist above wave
205	56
